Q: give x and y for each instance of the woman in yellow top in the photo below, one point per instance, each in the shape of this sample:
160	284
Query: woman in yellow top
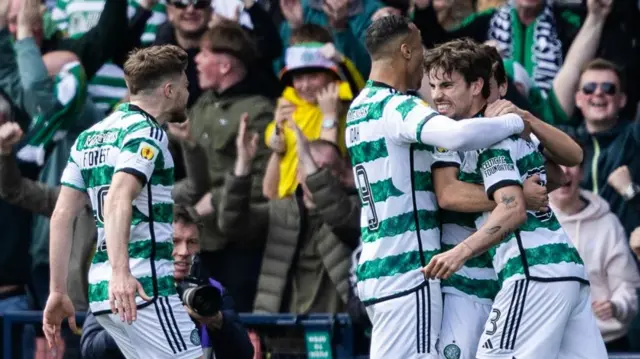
320	83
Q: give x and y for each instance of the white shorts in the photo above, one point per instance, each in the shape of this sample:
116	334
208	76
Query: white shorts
463	321
407	327
162	329
534	320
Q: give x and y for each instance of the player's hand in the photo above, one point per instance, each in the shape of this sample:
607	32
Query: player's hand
328	100
620	179
10	134
214	322
535	194
58	307
604	310
443	265
181	131
122	295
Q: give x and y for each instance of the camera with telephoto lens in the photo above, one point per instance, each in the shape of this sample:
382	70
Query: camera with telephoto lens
202	297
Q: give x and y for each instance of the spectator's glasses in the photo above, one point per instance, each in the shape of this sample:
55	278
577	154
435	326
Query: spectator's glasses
607	88
197	4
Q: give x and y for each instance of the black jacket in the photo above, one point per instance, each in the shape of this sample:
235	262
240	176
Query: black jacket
230	342
606	151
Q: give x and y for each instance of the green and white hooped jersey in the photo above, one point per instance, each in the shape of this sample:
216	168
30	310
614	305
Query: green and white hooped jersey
76	17
399	221
476	279
539	249
129	140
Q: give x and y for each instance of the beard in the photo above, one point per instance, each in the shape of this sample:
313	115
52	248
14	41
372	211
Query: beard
174	116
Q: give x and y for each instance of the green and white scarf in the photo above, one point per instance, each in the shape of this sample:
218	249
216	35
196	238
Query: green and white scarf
539	49
70	91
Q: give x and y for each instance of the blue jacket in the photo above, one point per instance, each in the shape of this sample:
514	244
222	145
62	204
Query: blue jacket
229	342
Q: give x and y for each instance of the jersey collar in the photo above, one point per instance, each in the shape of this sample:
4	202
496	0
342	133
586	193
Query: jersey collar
129	107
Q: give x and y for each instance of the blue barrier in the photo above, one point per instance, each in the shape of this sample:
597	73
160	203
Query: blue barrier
338	326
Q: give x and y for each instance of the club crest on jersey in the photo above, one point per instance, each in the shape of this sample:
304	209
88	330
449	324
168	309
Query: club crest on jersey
147	151
452	351
195	337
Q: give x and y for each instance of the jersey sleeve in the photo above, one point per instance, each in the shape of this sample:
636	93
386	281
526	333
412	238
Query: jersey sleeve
72	176
443	157
497	165
140	152
405	117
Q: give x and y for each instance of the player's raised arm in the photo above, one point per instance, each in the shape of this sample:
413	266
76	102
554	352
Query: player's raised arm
557	145
413	121
70	202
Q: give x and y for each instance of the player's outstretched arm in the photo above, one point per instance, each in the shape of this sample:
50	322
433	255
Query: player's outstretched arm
471	134
59	306
509	214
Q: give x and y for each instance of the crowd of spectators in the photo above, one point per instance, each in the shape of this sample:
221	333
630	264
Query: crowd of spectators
261	163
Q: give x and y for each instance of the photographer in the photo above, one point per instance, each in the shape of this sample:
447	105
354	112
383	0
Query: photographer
221	335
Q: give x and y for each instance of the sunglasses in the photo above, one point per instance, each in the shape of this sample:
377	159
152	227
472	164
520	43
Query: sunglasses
197	4
607	88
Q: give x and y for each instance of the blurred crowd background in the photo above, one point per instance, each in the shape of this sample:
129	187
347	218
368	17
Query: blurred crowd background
282	238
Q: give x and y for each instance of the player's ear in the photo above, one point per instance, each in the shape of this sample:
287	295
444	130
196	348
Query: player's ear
405	50
168	89
476	87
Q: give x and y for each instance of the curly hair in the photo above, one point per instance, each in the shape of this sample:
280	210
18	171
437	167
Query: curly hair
464	56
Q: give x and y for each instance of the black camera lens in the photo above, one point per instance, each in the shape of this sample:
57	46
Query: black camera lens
205	300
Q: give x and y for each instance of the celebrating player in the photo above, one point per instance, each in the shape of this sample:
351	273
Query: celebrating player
460	73
540	273
390	137
124	165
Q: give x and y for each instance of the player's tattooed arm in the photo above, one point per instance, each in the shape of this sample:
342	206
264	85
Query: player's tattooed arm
458	196
509	213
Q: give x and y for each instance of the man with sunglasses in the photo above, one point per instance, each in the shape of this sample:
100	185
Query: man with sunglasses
611	143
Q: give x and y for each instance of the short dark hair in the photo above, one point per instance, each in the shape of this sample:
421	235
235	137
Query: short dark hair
383	31
464	56
499	72
310	33
230	38
602	64
186	215
147	68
